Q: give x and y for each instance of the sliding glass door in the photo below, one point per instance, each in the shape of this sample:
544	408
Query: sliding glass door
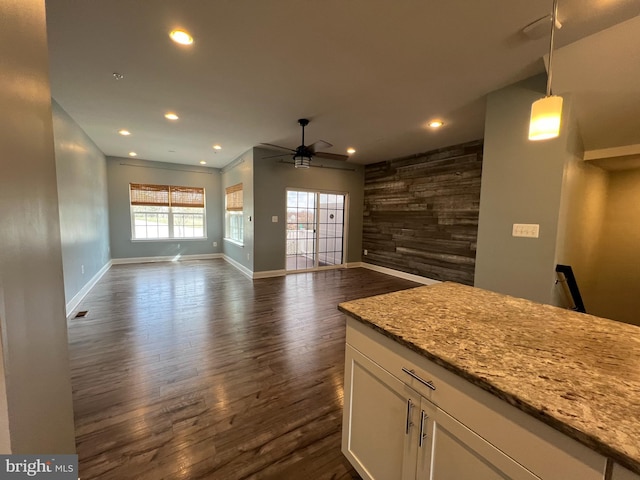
315	229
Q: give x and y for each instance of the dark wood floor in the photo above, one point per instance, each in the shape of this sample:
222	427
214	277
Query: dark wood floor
190	370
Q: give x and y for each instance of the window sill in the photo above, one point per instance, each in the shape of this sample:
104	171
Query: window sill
235	242
169	240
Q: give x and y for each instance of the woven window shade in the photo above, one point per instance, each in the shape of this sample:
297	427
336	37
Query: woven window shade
166	196
155	195
187	197
234	198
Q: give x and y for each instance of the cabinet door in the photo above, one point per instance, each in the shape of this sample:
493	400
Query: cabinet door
380	420
458	453
426	430
621	473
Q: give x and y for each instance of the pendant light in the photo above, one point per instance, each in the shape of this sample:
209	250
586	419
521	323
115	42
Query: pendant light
546	113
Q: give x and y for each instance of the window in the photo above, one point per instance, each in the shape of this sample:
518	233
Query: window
234	228
166	212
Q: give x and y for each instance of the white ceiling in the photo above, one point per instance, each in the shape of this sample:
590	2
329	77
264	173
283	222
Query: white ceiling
368	73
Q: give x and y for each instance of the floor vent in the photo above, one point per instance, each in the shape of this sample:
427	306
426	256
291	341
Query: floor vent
81	314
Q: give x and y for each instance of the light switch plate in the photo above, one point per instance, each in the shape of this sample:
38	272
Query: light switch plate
274	219
529	230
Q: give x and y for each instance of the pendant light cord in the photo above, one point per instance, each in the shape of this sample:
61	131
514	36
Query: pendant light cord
554	16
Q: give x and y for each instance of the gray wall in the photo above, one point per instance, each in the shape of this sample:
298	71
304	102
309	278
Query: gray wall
122	171
521	183
32	308
272	178
82	201
241	171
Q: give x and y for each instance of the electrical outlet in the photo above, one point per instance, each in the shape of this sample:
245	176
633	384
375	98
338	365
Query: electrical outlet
248	256
366	252
82	269
215	244
274	219
529	230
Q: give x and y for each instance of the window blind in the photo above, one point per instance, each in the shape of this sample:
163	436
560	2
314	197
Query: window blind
155	195
187	197
234	199
166	195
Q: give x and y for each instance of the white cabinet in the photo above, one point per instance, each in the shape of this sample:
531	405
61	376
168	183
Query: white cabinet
392	432
407	418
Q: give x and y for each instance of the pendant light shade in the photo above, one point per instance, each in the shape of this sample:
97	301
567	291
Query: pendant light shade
545	118
546	113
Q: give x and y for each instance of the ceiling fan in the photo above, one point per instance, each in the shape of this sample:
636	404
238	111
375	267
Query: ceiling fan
304	153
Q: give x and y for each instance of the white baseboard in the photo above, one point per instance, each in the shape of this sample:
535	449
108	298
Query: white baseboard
269	274
244	270
169	258
399	274
354	265
75	301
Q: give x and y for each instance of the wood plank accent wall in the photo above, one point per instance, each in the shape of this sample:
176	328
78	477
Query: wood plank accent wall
421	213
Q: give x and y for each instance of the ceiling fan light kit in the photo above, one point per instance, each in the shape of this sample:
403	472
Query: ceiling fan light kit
301	162
546	113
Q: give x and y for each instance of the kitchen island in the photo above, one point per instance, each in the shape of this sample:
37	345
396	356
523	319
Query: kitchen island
486	355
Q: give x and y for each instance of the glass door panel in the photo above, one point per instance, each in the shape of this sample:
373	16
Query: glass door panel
301	230
330	229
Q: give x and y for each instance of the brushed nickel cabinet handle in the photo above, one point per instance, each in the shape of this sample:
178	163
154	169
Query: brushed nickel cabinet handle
409	422
423	433
412	373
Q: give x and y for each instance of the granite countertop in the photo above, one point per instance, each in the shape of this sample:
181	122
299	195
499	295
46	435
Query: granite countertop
578	373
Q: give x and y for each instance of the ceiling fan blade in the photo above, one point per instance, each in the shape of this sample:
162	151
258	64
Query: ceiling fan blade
278	146
276	156
318	145
331	156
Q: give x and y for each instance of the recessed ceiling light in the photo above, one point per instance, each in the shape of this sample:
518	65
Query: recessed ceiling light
351	151
217	147
124	133
202	162
182	37
436	123
133	154
171	116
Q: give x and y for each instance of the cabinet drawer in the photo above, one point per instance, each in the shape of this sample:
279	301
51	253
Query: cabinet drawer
393	357
544	451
